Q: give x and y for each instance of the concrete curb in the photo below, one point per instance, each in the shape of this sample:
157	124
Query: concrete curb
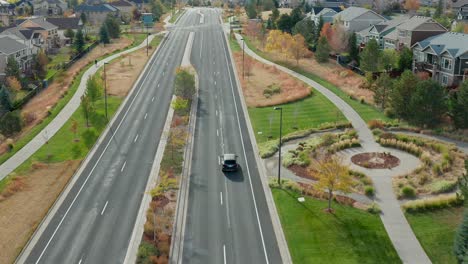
177	243
280	238
138	229
54	208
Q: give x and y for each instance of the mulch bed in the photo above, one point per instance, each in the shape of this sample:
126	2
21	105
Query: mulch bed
301	172
375	160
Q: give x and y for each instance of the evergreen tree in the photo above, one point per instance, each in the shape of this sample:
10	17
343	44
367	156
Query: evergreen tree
306	28
112	26
83	18
69	34
11	123
439	9
79	43
459	106
270	24
12	68
5	99
251	11
275	14
402	93
353	47
428	103
318	29
323	50
461	240
369	58
405	61
285	23
383	88
104	35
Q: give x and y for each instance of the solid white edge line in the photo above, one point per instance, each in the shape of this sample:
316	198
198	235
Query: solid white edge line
152	99
79	262
104	209
123	167
221	197
136	138
217	132
224	253
245	155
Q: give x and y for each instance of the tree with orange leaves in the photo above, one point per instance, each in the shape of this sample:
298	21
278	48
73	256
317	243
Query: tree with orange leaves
298	47
412	5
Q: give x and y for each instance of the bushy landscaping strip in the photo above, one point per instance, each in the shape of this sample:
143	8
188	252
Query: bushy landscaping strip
349	235
366	111
178	14
435	230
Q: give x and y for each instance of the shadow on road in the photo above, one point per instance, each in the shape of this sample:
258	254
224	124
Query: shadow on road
235	176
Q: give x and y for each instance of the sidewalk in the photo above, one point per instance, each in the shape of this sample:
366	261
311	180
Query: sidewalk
53	127
405	242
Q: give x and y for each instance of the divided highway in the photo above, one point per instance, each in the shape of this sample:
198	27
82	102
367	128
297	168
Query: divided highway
227	219
96	219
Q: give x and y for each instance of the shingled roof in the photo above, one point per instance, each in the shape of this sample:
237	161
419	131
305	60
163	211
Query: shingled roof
451	42
9	45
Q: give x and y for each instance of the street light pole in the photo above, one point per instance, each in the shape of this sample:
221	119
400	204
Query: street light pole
280	143
243	55
105	87
147	37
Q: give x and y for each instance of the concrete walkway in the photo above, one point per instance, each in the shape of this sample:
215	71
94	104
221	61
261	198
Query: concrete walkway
405	242
53	127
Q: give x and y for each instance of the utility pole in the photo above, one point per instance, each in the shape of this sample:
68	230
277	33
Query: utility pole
105	88
280	143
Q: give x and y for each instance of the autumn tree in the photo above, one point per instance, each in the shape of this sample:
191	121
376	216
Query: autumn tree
332	176
273	42
327	32
339	38
13	83
286	41
298	48
412	5
369	57
323	50
184	85
39	65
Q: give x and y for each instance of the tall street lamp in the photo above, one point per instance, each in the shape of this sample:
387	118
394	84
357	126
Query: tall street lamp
105	87
280	143
147	37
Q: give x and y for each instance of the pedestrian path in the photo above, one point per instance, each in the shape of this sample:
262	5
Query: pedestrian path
405	242
54	126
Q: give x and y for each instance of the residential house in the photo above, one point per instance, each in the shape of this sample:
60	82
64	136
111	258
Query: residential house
125	9
461	16
48	7
444	57
48	31
379	31
355	19
141	4
7	16
29	37
326	13
64	24
328	3
10	47
413	30
96	14
457	4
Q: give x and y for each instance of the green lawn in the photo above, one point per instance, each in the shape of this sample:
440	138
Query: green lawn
62	56
137	39
367	112
174	17
436	231
347	236
303	114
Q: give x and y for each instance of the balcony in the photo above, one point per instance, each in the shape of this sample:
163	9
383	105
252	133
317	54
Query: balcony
426	66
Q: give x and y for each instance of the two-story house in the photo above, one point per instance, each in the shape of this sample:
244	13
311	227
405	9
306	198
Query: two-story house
444	57
96	14
327	14
10	47
33	40
63	24
125	9
48	7
355	19
48	31
461	16
413	30
379	31
7	16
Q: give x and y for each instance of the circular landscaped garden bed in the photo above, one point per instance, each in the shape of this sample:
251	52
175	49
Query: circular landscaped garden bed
375	160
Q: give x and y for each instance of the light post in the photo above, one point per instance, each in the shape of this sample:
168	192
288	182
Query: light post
147	37
105	87
280	143
243	55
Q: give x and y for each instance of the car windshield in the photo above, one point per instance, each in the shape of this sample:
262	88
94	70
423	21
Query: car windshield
230	162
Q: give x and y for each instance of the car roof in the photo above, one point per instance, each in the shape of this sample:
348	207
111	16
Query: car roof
229	156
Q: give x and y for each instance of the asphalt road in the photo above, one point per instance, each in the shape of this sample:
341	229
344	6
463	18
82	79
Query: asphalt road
95	222
227	219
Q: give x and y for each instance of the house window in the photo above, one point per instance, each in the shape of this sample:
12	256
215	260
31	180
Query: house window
402	33
346	23
446	64
444	79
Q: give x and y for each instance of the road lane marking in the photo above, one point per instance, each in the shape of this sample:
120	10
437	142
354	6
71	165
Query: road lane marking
245	154
216	112
217	132
221	197
79	262
152	99
227	204
136	138
146	115
224	253
100	157
158	84
104	209
123	167
201	44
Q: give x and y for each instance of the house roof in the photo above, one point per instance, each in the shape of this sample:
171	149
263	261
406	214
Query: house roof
392	35
353	12
318	9
326	10
121	3
140	1
65	22
459	3
451	42
414	22
41	22
22	33
9	45
96	8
